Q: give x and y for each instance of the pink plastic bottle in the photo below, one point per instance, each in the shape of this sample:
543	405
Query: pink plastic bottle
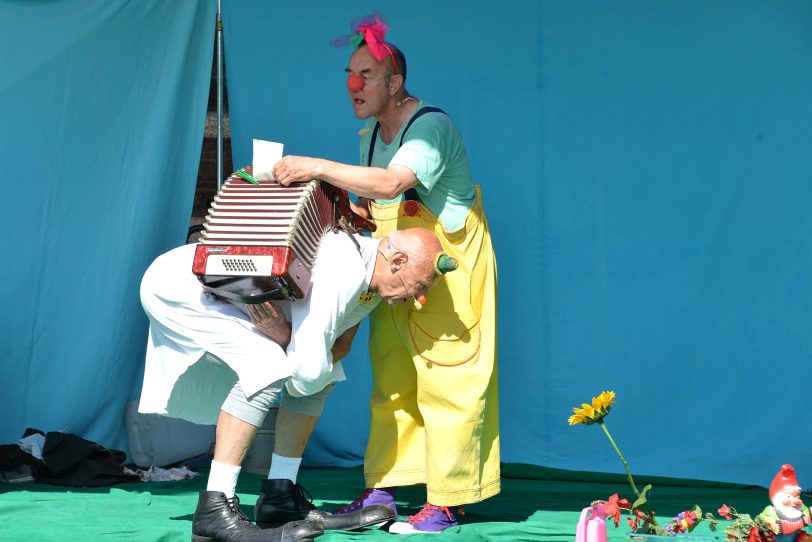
592	525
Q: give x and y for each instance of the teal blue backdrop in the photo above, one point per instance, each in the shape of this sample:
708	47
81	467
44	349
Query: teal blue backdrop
645	169
103	106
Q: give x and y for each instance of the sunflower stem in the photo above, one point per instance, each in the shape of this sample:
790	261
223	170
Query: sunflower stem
622	459
625	466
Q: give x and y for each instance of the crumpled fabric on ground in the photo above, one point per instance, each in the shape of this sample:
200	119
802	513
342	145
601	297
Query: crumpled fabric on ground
33	444
157	474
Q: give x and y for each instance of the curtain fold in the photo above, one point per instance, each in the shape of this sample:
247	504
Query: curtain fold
103	106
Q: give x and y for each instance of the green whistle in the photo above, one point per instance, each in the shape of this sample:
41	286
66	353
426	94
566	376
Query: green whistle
241	172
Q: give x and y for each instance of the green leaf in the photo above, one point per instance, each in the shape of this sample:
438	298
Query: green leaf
641	500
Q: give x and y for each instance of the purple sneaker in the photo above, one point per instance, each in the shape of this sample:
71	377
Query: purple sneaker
372	497
431	519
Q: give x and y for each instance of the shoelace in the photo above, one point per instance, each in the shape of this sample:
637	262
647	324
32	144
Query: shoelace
234	505
357	503
302	495
428	511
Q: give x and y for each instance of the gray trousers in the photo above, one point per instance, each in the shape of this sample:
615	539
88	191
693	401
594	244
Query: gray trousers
253	409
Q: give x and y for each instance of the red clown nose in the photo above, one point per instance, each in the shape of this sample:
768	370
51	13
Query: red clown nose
355	83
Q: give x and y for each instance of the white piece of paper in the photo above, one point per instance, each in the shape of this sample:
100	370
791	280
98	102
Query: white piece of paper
266	155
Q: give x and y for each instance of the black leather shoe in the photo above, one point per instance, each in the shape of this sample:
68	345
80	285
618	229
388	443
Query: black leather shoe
218	519
282	501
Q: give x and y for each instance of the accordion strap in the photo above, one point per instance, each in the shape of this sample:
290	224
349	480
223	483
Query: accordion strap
349	228
219	287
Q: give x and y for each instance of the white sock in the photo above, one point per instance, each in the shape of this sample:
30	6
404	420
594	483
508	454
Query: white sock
223	478
284	468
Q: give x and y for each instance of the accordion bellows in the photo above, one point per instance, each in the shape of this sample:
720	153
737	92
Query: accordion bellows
260	241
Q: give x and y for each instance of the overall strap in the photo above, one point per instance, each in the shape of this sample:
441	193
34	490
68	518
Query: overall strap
411	194
420	112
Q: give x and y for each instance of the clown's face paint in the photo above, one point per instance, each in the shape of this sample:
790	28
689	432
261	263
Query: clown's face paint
366	83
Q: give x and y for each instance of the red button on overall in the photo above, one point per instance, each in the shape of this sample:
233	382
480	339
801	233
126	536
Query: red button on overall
411	208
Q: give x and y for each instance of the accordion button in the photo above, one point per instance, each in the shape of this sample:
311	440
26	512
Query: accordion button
411	208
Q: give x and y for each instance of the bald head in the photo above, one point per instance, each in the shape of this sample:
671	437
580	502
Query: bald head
407	265
417	241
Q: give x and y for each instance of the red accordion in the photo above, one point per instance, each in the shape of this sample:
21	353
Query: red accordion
260	241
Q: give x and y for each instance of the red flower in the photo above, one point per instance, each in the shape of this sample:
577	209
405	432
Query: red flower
613	512
758	536
725	512
613	505
632	523
621	503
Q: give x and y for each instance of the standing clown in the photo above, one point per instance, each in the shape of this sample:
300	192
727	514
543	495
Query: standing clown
434	405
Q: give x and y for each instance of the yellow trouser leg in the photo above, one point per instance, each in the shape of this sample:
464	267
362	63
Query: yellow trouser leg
396	454
434	401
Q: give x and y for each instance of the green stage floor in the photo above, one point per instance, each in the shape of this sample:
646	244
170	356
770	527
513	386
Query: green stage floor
536	504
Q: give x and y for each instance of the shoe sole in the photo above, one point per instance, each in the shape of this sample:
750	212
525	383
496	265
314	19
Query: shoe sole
197	538
415	531
381	524
412	530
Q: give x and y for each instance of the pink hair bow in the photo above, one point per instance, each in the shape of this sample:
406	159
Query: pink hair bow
369	28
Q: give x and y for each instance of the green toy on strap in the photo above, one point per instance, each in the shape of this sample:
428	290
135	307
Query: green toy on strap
443	263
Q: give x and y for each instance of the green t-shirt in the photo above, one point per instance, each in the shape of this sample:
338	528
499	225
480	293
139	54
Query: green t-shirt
434	151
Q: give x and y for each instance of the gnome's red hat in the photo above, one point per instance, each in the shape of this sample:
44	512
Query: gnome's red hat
783	480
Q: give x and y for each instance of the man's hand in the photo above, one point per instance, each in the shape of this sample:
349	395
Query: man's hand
342	345
361	208
291	169
270	321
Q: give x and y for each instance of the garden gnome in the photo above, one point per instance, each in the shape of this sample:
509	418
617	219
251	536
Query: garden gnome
787	515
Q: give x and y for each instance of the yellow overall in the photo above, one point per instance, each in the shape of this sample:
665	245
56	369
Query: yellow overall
434	406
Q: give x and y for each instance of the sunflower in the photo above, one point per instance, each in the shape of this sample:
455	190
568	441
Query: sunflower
594	413
603	402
